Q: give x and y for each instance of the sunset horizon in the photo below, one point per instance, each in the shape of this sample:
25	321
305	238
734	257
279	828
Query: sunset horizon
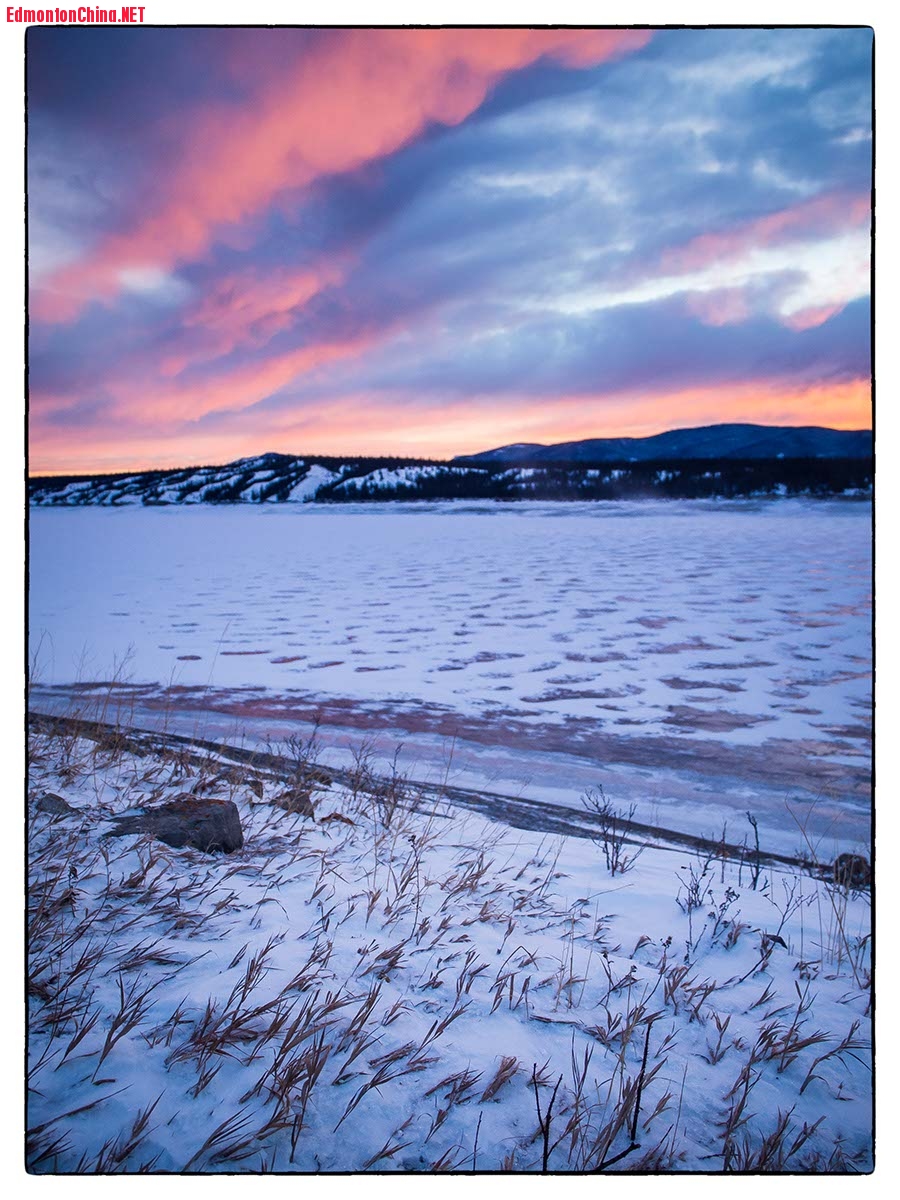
349	452
427	242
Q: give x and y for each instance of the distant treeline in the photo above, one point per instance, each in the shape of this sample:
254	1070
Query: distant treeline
272	478
683	479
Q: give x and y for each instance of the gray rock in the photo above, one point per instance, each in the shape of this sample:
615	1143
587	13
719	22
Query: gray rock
208	825
51	803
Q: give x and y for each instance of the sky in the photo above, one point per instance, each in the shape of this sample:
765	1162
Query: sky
432	242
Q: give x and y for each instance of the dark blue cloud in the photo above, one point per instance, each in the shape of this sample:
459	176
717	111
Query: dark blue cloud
649	348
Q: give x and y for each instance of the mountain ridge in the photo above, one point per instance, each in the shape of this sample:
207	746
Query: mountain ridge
706	462
720	441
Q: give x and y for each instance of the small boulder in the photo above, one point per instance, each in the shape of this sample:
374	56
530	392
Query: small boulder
51	803
852	870
208	825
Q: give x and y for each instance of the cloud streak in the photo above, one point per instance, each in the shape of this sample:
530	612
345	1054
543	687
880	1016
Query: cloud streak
359	98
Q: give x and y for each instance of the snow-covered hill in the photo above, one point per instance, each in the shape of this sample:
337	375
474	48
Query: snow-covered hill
269	477
284	478
266	479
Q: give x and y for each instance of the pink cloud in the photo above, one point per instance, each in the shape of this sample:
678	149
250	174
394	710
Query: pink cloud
232	389
137	399
732	306
809	318
823	215
355	97
247	309
724	306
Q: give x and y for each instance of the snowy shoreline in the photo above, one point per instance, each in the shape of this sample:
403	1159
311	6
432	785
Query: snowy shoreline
386	984
696	787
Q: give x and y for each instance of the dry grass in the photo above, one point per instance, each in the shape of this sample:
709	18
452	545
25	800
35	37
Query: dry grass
364	961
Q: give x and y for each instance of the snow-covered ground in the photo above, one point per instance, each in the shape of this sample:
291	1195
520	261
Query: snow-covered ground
386	989
403	477
702	658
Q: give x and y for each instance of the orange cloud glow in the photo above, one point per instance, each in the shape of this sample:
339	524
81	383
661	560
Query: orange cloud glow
360	425
845	405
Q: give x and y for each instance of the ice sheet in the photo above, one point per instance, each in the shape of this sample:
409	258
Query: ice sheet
617	627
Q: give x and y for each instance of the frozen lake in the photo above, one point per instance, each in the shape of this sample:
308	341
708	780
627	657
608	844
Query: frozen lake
698	659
